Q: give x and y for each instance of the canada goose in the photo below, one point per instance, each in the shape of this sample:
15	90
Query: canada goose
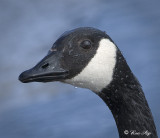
87	57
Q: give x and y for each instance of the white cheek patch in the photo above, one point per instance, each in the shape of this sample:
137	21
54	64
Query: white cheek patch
99	71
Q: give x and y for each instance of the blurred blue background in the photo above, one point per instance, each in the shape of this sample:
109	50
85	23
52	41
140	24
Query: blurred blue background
55	110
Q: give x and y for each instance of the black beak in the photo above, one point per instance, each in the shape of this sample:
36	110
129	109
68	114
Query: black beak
48	69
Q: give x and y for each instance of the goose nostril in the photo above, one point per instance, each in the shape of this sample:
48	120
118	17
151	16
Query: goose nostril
45	65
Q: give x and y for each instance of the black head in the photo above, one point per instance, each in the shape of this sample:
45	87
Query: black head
67	57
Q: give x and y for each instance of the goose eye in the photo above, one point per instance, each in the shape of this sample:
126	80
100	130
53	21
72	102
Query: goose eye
86	44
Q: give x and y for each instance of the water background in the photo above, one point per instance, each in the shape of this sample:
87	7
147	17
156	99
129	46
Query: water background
55	110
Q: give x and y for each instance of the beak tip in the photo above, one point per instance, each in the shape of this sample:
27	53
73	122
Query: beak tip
23	77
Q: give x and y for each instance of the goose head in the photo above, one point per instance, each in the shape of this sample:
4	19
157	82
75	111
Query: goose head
84	57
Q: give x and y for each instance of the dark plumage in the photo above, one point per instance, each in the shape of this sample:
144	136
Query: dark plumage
88	58
126	100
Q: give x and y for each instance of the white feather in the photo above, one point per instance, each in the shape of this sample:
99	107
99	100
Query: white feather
99	71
